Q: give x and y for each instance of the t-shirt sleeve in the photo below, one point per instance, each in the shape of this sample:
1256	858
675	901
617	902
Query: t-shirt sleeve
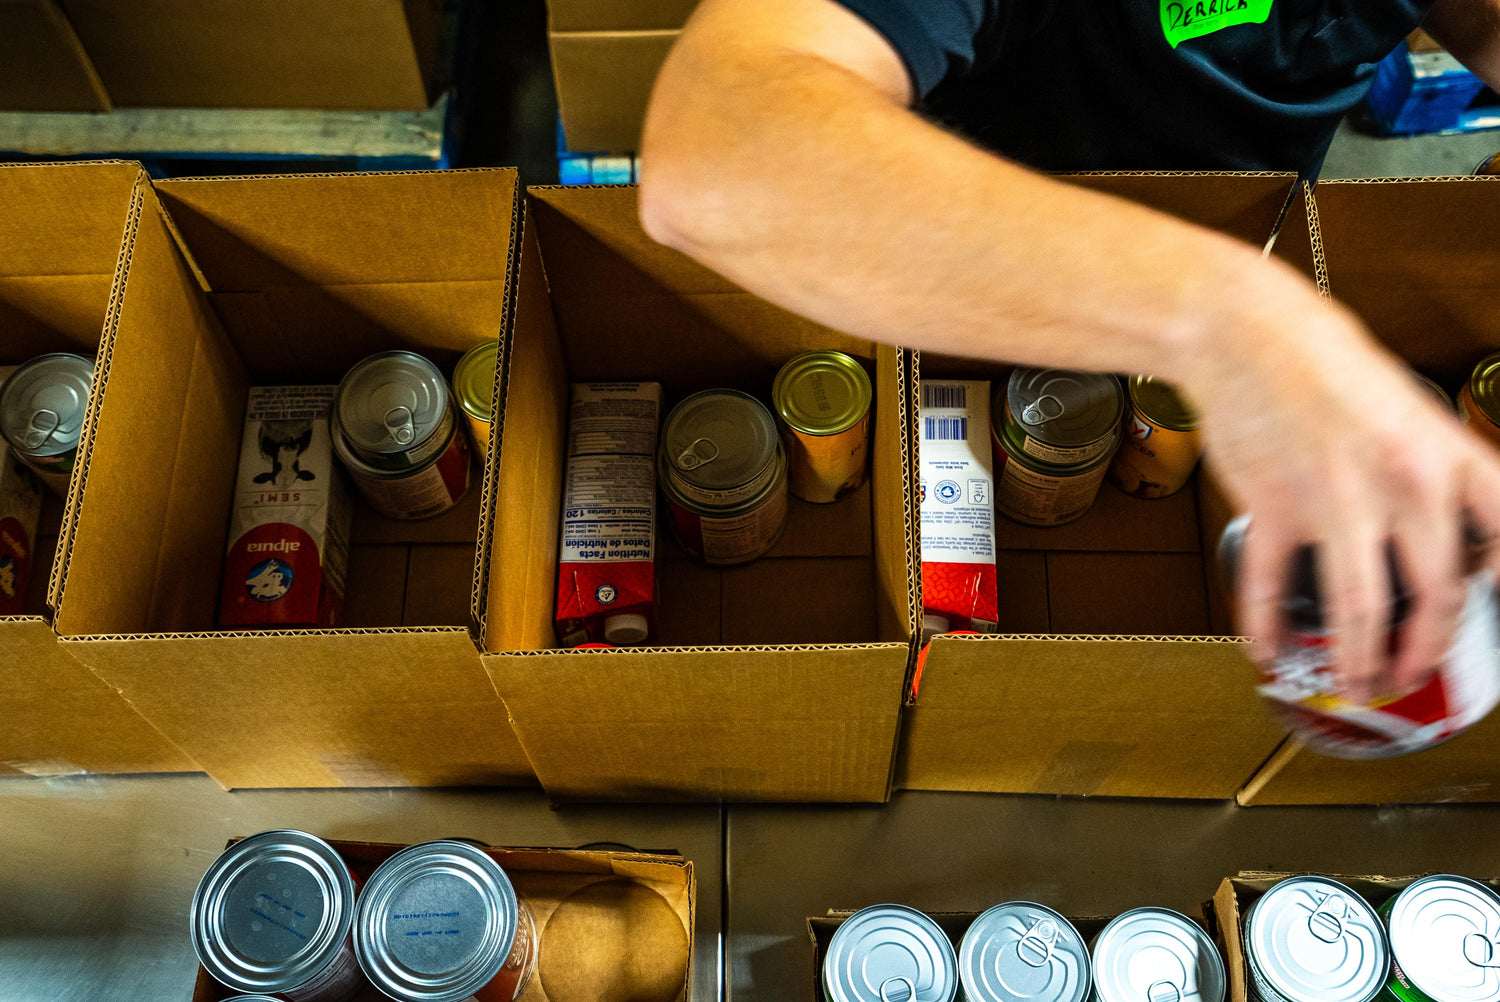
933	37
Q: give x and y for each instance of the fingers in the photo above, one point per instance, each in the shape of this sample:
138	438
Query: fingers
1265	575
1356	592
1428	543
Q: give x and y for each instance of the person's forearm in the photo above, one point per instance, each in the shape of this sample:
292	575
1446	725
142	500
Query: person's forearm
804	188
1470	29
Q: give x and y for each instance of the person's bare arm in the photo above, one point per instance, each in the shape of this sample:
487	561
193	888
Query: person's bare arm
1470	29
779	150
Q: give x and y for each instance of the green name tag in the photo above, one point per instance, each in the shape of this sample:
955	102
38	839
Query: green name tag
1185	19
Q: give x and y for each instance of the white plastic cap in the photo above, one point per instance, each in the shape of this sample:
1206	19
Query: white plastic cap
626	629
932	625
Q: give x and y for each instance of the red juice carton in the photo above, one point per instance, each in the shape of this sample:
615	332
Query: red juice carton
289	531
958	508
20	514
606	575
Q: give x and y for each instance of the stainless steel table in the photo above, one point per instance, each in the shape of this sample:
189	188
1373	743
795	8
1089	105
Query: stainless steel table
96	873
963	852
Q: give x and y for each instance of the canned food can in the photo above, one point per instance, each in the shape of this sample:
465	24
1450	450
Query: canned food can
1061	418
1156	955
1443	933
822	402
1311	939
1037	493
1491	165
441	922
1023	952
1301	680
474	386
722	471
1438	393
274	915
890	953
1160	447
42	407
395	431
1479	400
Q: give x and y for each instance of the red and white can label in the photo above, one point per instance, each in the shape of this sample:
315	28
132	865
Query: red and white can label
429	491
734	538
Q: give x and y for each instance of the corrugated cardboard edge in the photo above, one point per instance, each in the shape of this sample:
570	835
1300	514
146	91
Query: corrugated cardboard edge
703	649
1279	760
92	638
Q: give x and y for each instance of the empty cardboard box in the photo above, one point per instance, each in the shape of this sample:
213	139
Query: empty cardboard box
238	282
776	680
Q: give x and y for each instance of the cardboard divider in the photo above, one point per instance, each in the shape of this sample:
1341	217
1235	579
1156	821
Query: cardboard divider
609	924
59	251
1114	672
776	680
1419	262
232	283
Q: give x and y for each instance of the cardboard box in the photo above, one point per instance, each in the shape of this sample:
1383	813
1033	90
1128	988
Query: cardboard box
604	81
288	279
334	54
777	680
59	248
42	64
609	924
1115	671
1235	896
1419	262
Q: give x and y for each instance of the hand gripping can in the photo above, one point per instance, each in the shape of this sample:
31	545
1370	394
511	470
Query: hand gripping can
822	401
890	953
1156	955
1023	952
273	915
1311	939
1445	942
42	406
395	431
1301	681
440	922
1160	447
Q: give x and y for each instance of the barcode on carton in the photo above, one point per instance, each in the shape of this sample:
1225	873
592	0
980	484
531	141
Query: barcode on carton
950	396
945	429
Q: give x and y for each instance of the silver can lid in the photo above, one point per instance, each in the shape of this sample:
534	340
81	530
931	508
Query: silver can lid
1063	408
43	402
1157	955
436	923
890	953
1314	940
1445	935
1021	951
719	439
391	402
273	911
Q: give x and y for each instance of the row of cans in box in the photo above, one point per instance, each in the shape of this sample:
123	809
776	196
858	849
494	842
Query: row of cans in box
725	465
282	914
1307	939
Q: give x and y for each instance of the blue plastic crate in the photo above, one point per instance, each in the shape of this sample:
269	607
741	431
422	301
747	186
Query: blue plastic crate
1421	92
594	168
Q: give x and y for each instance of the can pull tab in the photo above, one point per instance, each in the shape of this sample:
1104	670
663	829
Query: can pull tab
909	994
1479	950
1327	920
699	452
1036	946
1163	991
1041	410
43	423
399	422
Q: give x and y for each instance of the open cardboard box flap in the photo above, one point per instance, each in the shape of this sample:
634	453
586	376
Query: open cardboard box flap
1419	261
779	679
43	66
604	81
59	252
336	267
1113	673
610	925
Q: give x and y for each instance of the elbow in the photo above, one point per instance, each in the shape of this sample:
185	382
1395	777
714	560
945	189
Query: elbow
671	198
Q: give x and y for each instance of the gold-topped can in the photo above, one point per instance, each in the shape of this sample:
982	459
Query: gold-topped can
1161	446
822	403
1491	165
1479	400
474	386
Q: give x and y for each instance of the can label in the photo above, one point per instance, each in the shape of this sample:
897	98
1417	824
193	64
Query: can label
1063	455
423	492
827	468
732	537
340	981
1466	687
1034	497
1153	461
1398	988
479	431
513	978
289	531
56	472
607	561
20	512
958	506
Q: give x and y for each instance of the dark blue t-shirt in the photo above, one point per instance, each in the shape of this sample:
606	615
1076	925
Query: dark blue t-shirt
1145	84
